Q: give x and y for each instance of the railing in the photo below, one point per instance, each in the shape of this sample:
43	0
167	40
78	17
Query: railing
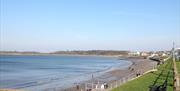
97	85
163	86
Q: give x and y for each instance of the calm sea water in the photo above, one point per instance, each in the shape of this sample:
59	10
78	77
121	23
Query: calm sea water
38	73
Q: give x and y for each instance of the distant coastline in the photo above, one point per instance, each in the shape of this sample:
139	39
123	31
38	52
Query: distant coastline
55	59
138	63
110	53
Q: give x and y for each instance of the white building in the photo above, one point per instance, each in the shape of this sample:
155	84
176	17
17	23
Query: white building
134	54
154	54
145	54
164	55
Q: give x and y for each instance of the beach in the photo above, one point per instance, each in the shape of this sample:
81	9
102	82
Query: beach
139	67
45	73
111	77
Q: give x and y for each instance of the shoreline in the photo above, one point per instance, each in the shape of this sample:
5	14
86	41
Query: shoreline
110	77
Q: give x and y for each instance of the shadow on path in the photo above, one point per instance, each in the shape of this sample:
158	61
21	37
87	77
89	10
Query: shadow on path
163	74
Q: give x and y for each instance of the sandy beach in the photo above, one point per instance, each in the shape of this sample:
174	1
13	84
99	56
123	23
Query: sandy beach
111	77
139	67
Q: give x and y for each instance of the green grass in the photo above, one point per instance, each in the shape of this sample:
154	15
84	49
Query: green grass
143	83
178	66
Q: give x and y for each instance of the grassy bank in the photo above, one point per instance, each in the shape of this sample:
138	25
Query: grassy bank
178	66
154	78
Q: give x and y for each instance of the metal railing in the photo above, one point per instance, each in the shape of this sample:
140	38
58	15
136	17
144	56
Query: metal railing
97	85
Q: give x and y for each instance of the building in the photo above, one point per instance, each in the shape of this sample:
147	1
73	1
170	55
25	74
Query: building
164	55
145	54
134	54
154	55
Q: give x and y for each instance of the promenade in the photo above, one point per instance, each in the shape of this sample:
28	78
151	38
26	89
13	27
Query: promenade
176	77
178	87
117	77
160	80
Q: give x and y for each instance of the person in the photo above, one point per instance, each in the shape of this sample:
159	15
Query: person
132	69
102	86
77	87
96	86
105	85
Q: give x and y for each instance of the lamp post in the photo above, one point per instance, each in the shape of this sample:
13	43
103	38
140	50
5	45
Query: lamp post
173	52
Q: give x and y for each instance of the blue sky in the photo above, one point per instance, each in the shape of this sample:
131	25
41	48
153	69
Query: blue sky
50	25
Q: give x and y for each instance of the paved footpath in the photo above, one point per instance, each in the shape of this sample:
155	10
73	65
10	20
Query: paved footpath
176	77
178	87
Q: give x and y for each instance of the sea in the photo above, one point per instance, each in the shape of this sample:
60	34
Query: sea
43	72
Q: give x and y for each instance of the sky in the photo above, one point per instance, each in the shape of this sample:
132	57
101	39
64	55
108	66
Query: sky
53	25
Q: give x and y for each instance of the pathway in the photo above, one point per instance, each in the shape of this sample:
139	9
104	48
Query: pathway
176	78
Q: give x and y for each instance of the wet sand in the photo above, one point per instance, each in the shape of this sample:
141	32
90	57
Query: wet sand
139	66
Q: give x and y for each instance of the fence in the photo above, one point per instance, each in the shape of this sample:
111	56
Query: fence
97	85
100	85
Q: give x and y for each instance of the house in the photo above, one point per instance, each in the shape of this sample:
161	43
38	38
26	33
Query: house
145	54
154	54
164	55
134	53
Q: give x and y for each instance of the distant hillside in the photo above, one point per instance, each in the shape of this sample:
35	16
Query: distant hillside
93	52
18	53
89	52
